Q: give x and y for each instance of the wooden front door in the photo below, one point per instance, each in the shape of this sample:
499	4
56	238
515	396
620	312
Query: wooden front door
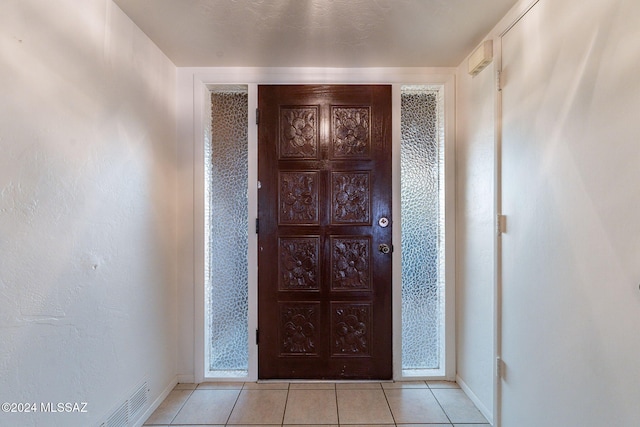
324	207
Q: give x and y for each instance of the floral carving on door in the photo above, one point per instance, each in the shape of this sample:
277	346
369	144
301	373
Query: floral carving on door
350	132
351	200
298	198
299	262
351	329
298	132
299	326
350	263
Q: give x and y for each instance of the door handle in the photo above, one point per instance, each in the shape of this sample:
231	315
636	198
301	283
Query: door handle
384	248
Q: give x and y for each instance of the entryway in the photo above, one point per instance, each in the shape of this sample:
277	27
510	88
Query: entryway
338	213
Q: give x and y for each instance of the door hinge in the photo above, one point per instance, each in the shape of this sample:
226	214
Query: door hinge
499	367
257	225
501	224
257	116
257	337
499	81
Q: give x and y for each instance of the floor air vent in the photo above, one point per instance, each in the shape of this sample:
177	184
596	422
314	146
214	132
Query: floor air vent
127	413
138	401
120	418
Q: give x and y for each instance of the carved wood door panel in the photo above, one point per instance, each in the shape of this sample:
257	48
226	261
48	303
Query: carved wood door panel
324	207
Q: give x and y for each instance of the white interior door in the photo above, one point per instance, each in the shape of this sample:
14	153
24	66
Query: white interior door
571	194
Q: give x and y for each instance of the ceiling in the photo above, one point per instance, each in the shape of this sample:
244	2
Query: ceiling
316	33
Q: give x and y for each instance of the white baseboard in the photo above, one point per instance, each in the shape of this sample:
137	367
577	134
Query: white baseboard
157	402
481	407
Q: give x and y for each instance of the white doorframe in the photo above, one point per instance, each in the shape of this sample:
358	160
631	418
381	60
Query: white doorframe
251	77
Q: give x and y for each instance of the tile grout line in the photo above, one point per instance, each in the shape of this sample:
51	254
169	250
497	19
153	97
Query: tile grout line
234	404
182	406
286	401
335	393
440	405
393	417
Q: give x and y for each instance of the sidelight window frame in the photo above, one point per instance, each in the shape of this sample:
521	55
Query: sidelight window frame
206	80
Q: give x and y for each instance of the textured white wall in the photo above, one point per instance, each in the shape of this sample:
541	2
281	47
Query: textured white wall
571	191
475	231
87	209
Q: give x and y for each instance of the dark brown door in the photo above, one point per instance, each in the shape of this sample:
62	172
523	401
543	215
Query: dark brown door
324	206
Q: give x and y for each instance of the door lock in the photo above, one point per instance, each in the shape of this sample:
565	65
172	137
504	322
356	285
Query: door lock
384	248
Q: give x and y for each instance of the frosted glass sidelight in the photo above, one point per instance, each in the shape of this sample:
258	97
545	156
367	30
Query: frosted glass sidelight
226	233
422	207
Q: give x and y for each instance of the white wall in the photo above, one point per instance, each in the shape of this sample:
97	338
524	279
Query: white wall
87	209
475	230
571	192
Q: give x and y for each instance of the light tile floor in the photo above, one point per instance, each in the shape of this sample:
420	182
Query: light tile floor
406	404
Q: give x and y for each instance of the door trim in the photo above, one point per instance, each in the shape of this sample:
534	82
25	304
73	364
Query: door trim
448	371
193	87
